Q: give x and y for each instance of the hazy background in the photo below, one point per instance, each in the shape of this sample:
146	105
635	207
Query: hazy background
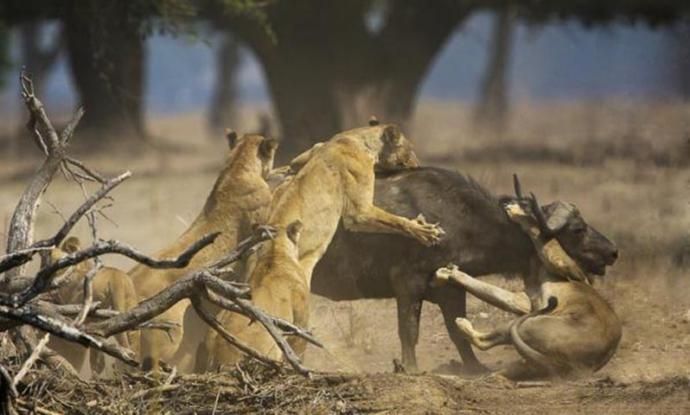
563	61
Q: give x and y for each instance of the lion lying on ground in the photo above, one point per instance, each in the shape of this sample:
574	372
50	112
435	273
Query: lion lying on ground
239	200
566	327
111	287
335	180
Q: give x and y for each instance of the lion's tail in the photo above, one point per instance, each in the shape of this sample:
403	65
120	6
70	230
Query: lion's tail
528	352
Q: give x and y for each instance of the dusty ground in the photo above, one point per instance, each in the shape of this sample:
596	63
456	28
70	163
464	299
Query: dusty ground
623	164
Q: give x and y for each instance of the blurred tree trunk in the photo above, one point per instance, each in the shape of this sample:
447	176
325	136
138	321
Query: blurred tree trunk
5	62
106	55
222	111
679	64
37	58
329	70
492	109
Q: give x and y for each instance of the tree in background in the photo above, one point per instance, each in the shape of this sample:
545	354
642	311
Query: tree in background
105	47
37	55
105	41
332	64
222	110
5	62
492	105
329	64
679	62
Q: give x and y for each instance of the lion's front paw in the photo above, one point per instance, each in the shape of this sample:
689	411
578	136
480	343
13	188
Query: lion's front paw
427	233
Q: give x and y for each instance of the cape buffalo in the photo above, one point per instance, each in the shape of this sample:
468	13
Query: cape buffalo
480	240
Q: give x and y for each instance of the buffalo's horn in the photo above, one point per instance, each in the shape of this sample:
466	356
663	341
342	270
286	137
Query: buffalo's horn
539	215
517	186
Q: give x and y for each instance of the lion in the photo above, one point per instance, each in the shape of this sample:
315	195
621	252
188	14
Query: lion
111	287
239	200
280	288
566	328
335	180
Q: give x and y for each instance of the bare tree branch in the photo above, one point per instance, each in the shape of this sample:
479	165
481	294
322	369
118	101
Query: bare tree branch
68	131
254	313
28	363
61	328
45	276
287	327
14	259
229	337
159	303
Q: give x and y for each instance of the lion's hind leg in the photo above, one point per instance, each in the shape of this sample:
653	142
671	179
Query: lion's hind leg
483	340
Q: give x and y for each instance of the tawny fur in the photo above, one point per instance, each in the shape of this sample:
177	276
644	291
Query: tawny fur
568	328
280	288
334	180
111	287
240	199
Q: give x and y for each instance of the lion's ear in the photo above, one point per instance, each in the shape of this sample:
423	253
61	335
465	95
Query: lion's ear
373	121
391	134
268	147
231	137
294	230
71	245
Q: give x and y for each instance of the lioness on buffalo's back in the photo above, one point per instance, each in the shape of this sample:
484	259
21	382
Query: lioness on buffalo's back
239	200
335	181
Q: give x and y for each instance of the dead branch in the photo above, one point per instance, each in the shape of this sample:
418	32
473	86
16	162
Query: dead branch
59	327
14	259
28	363
229	337
41	307
45	276
288	328
255	314
150	308
20	232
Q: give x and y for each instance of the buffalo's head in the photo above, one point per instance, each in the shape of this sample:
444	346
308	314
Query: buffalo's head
563	221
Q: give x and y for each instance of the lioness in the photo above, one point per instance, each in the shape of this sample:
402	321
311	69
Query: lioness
336	180
111	287
567	328
279	287
240	199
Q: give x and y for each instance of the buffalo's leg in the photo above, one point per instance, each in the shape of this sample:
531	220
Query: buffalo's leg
452	304
481	340
409	288
516	303
409	312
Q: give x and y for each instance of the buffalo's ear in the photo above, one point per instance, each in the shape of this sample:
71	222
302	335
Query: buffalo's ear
231	137
71	245
267	148
391	134
373	121
294	230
